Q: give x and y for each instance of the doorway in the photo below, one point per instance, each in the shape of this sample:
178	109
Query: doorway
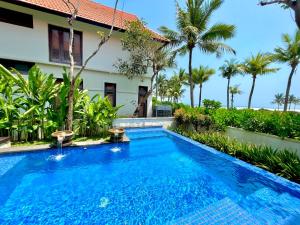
142	94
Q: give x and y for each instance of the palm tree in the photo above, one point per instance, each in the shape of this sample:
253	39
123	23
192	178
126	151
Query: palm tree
296	102
193	30
234	90
228	70
200	76
161	82
175	90
289	54
279	100
257	65
292	99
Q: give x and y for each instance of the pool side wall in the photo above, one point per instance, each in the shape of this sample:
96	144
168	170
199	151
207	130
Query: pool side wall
289	185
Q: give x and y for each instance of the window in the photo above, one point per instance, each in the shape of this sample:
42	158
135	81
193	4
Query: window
59	45
21	66
16	18
110	92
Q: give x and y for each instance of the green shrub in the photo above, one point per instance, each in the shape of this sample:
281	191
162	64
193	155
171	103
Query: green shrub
211	105
272	122
193	118
282	163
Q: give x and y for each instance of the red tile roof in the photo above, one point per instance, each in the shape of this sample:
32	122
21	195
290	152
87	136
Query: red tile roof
89	11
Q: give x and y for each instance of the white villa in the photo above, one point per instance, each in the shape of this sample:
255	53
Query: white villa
35	32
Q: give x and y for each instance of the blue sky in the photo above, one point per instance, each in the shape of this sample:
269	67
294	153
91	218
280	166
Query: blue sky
259	29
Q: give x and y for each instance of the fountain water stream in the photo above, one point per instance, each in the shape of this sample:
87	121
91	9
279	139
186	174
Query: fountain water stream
116	148
59	156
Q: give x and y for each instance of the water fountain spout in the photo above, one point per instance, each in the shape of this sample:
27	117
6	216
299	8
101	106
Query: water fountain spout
60	155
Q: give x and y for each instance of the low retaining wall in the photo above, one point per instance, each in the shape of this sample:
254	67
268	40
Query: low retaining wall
144	122
263	139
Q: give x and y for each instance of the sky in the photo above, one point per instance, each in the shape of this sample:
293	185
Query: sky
258	29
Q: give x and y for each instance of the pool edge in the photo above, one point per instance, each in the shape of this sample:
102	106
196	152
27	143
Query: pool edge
290	185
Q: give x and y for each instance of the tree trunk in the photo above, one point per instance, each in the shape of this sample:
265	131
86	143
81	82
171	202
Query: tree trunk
293	4
288	88
252	90
69	125
190	77
200	95
297	13
228	85
231	101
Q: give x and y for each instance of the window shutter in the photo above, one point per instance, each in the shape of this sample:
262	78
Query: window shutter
77	49
65	47
54	46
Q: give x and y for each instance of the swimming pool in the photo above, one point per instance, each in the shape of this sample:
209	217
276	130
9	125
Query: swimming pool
158	178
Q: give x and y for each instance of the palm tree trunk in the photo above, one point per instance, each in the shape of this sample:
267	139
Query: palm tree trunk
252	90
288	88
228	85
232	100
190	77
200	95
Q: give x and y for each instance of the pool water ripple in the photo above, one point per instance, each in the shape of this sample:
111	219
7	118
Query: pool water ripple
156	179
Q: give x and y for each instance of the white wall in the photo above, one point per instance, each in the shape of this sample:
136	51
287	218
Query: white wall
27	44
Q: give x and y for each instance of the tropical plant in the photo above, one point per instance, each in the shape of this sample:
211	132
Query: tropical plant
234	90
174	88
194	30
296	102
38	91
95	117
33	107
210	106
160	86
9	104
257	65
289	54
201	75
278	100
228	70
291	100
193	118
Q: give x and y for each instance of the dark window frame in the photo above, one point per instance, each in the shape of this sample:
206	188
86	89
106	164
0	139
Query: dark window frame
16	18
62	29
11	63
114	93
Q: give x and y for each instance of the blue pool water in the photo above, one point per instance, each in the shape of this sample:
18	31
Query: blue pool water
157	178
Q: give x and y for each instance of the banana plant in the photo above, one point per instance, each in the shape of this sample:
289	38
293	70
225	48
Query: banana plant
34	96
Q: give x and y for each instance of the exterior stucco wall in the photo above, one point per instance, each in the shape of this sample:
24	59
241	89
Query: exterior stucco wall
32	45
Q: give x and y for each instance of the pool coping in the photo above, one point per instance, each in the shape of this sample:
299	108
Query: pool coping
45	147
290	185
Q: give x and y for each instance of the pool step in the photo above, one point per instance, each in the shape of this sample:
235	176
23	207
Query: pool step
272	207
223	212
